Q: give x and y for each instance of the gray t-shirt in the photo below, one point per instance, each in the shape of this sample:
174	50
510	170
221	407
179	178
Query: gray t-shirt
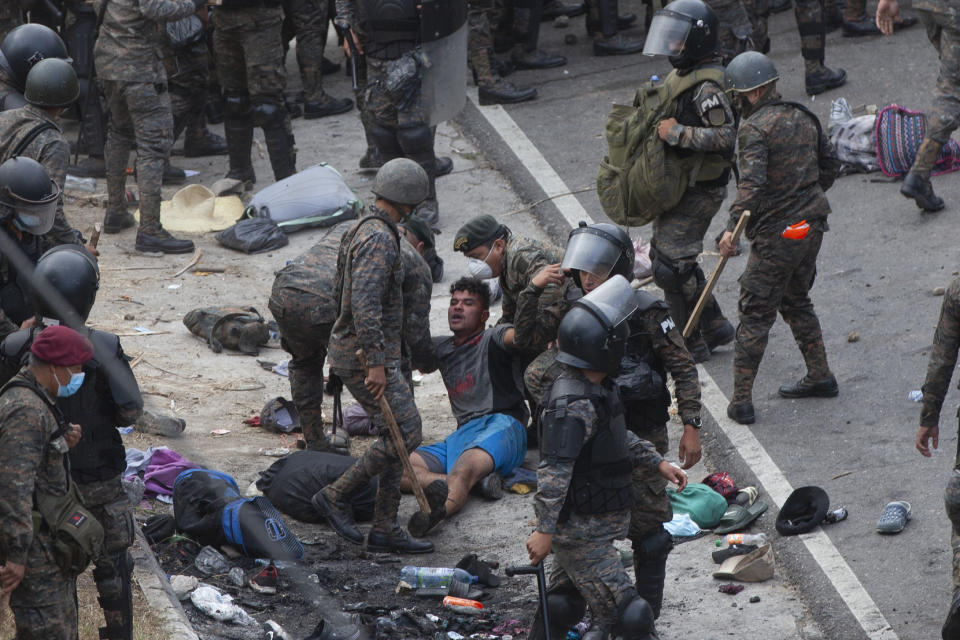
481	377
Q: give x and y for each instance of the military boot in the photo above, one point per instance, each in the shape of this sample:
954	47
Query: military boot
650	567
525	54
491	88
602	26
156	239
200	141
326	106
371	160
239	133
117	221
824	79
918	188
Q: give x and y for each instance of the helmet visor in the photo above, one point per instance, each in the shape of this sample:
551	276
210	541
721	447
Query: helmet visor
35	216
668	32
592	251
613	301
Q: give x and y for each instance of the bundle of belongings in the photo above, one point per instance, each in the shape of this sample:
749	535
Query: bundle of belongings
237	328
208	507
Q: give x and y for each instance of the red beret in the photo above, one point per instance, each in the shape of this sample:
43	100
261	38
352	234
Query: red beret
61	346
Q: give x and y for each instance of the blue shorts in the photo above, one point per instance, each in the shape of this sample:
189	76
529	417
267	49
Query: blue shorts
501	436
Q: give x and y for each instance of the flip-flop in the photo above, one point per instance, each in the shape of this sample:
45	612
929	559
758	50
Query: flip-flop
894	517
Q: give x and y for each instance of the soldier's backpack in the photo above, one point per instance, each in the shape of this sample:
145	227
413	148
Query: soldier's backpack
238	328
642	176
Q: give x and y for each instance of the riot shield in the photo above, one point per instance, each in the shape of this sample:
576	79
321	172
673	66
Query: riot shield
443	37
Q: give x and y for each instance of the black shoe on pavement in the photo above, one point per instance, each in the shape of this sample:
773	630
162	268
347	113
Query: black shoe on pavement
371	160
444	166
89	167
807	388
117	222
173	175
338	517
397	541
698	349
329	107
160	241
617	45
825	79
328	66
919	188
556	8
720	334
206	144
741	412
536	59
626	20
863	26
503	92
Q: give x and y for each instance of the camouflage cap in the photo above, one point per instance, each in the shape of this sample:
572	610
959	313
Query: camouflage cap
478	230
415	225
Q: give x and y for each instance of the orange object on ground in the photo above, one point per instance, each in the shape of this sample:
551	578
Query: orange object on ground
463	605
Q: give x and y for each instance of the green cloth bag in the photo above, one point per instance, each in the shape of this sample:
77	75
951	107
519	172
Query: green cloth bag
704	505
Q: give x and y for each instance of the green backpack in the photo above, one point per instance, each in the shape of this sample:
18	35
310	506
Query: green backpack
642	176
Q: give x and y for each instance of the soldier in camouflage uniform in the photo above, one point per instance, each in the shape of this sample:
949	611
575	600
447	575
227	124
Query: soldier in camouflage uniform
786	164
33	442
734	34
702	123
369	279
943	359
32	131
249	54
585	437
491	88
310	22
942	118
131	75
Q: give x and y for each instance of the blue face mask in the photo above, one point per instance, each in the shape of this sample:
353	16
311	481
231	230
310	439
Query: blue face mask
76	381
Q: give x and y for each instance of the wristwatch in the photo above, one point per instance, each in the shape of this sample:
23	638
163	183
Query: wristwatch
696	423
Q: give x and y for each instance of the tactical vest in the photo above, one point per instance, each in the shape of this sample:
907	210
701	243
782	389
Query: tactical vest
385	21
642	378
13	294
601	481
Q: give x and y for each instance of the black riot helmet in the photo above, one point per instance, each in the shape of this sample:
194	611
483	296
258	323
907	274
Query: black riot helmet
593	334
71	270
27	45
602	249
685	30
28	197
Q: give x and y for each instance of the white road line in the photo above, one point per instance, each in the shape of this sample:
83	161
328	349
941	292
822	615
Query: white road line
851	590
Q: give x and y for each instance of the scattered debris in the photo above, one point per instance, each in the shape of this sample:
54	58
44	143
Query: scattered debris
731	589
939	291
220	432
183	585
853	336
754	599
916	395
160	425
219	606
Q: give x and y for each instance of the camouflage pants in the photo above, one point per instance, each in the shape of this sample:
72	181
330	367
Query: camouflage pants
140	118
585	560
480	41
309	19
813	34
188	81
735	29
306	342
651	506
382	108
540	374
381	458
951	500
43	604
110	506
249	52
943	116
778	277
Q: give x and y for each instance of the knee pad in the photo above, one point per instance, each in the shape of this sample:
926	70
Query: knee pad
636	620
416	141
653	546
951	500
668	278
565	609
236	106
267	114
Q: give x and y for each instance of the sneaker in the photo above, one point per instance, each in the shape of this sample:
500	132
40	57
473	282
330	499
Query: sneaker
266	581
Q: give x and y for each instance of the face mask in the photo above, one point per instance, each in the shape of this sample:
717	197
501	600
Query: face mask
479	268
76	381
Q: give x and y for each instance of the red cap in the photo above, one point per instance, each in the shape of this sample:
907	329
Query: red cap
61	346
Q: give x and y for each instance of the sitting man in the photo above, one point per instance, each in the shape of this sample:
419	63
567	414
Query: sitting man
486	398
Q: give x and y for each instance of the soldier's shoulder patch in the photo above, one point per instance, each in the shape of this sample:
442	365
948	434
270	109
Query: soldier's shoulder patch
667	325
716	117
711	102
460	242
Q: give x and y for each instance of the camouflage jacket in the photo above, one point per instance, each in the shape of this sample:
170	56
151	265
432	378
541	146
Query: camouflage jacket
50	149
29	461
553	478
132	36
371	301
417	288
535	313
943	357
785	168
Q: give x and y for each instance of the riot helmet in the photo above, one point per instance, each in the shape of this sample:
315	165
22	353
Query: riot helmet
593	334
27	45
402	181
685	30
74	273
27	195
601	249
52	83
748	71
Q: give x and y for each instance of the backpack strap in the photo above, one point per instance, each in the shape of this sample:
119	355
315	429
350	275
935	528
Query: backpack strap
341	255
37	130
57	414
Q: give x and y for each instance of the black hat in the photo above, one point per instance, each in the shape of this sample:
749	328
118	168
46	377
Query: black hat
803	511
477	231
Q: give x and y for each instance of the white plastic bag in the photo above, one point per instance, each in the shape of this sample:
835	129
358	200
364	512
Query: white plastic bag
641	259
219	606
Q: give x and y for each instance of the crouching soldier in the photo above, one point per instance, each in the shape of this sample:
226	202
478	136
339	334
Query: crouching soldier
585	439
104	395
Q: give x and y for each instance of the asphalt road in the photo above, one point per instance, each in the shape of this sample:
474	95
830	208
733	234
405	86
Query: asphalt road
877	270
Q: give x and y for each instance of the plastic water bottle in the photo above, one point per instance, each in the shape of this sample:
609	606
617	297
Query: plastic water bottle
434	577
654	79
758	539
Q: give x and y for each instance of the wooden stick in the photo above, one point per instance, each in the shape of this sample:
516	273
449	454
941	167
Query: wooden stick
195	260
707	290
398	444
95	236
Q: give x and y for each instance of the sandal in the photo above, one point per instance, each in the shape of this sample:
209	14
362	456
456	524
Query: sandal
894	517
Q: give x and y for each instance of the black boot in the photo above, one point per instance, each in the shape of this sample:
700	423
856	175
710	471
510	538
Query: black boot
203	142
824	79
650	567
328	106
396	541
807	388
502	92
384	139
417	144
238	127
337	515
115	222
270	116
525	53
919	188
158	240
606	40
741	412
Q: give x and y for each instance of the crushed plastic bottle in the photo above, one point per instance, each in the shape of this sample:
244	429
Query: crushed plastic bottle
74	183
758	539
433	577
211	562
